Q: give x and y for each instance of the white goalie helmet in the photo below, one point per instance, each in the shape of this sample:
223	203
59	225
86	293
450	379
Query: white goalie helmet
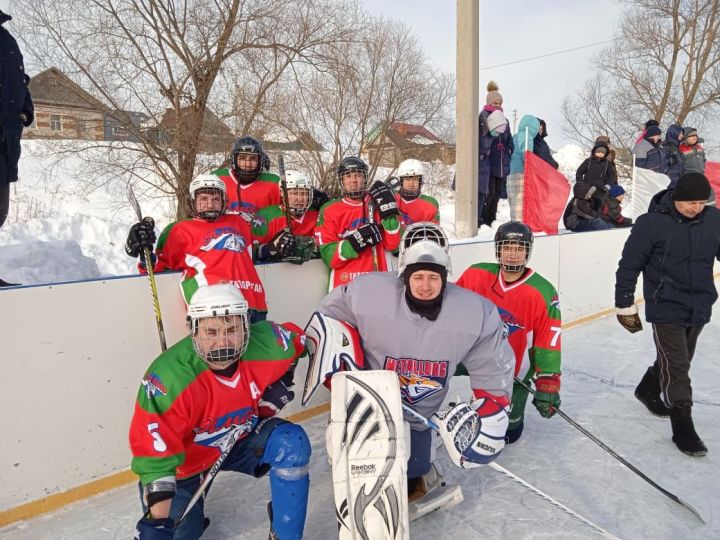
300	181
424	242
218	322
208	182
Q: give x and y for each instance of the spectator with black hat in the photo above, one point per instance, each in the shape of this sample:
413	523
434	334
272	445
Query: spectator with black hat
674	245
649	152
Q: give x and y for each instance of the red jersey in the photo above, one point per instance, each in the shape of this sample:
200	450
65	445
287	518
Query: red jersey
423	208
211	252
341	217
269	221
529	308
265	191
185	412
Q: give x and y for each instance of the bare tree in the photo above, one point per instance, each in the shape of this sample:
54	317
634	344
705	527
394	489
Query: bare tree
162	58
664	64
366	83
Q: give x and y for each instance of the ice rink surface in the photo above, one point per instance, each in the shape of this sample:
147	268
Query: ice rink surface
602	363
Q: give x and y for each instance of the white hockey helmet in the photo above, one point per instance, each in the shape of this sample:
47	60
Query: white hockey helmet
424	242
410	168
208	182
218	322
301	181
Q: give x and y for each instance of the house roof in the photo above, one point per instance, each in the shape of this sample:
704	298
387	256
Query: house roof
401	134
52	86
211	123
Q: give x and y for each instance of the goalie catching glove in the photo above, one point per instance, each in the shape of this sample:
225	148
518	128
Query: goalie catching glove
473	434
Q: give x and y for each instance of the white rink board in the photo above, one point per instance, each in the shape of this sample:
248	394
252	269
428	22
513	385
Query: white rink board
74	354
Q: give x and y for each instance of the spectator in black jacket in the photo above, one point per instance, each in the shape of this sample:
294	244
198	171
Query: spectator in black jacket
585	210
541	148
597	170
16	111
613	207
675	246
673	137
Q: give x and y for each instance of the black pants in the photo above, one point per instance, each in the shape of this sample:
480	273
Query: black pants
489	212
4	201
675	346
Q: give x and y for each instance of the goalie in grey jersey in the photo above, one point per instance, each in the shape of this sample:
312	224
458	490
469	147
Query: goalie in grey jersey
420	326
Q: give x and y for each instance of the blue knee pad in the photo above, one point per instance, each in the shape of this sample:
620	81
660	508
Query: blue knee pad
287	451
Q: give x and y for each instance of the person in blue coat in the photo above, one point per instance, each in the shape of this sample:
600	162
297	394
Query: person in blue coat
675	159
675	245
527	130
16	111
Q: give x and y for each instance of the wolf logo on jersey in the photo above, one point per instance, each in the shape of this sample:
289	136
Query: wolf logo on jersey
415	388
214	432
509	322
232	241
153	385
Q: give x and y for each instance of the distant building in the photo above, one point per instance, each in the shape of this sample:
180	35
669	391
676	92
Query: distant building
403	141
215	136
63	110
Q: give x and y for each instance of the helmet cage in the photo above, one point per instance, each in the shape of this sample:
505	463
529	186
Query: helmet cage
208	183
350	165
408	194
212	339
518	267
247	145
424	242
298	180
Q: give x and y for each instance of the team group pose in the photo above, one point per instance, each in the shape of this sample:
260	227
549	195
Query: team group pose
385	342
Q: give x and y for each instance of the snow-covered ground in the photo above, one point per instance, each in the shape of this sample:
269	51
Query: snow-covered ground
601	366
64	225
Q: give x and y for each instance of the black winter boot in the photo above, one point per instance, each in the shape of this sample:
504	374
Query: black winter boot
648	393
273	535
684	435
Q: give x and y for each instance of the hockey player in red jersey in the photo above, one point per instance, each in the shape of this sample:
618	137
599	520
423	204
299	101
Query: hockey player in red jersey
529	306
353	240
249	187
270	225
225	382
212	247
412	204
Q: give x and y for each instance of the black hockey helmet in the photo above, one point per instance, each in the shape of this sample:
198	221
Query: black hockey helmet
246	145
348	165
513	233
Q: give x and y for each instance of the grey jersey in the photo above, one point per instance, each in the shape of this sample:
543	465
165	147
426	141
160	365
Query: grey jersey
425	353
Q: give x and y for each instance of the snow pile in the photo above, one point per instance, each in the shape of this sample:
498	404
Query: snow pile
43	262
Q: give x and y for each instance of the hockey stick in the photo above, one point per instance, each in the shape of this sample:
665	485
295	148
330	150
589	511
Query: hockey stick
212	472
284	192
617	456
429	423
150	272
371	219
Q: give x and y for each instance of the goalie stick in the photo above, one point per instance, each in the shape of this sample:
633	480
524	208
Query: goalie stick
150	272
499	468
617	456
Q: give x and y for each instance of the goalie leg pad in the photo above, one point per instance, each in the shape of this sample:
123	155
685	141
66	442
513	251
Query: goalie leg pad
368	451
332	346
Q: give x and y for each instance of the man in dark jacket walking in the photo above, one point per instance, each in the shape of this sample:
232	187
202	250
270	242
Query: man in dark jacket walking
16	111
674	245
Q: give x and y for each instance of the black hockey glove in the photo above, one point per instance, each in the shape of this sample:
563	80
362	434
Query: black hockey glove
366	236
141	236
276	396
319	198
154	529
283	245
384	199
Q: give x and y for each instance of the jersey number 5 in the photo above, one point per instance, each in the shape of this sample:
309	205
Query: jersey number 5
158	443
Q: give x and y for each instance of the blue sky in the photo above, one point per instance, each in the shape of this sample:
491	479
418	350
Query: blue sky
511	31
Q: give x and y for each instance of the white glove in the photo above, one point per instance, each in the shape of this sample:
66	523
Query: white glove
474	435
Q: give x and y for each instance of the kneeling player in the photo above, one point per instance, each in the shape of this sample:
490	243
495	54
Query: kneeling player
223	383
421	327
529	307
